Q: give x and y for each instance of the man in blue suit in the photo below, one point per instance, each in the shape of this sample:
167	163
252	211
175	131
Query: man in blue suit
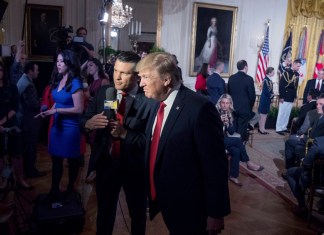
216	84
185	154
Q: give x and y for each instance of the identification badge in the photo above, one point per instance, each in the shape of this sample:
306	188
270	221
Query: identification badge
110	104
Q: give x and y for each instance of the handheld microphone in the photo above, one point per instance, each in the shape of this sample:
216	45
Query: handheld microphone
110	103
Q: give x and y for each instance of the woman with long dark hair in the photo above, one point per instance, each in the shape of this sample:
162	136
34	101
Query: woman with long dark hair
65	135
96	76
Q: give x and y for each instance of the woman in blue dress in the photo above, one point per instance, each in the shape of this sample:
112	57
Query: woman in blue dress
265	100
65	135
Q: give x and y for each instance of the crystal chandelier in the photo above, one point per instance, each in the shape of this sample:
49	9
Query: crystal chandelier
119	16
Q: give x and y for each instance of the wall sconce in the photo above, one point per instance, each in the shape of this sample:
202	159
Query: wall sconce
260	40
114	33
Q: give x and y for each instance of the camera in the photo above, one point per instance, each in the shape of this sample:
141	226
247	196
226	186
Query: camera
63	34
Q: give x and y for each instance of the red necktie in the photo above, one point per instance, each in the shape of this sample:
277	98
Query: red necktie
318	85
115	152
121	108
155	145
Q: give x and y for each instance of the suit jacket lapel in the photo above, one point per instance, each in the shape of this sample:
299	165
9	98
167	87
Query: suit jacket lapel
130	101
176	108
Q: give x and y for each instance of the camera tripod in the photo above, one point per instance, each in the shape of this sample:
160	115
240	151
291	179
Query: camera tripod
11	184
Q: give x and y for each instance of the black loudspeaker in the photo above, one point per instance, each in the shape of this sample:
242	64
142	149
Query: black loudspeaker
66	217
3	7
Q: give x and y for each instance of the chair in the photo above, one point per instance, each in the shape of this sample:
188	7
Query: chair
316	188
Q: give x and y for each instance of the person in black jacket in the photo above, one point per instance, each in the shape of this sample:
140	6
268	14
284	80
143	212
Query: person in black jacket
121	166
241	88
310	105
299	177
185	154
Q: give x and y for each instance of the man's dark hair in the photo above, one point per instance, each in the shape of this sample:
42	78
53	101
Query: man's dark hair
81	28
269	70
29	66
314	93
321	96
297	61
128	57
241	64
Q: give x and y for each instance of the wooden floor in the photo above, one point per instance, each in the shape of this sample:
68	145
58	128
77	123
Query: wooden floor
255	210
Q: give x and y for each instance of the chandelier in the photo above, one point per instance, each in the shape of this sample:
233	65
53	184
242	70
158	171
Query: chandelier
119	16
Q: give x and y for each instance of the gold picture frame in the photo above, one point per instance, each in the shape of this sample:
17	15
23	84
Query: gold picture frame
212	42
42	23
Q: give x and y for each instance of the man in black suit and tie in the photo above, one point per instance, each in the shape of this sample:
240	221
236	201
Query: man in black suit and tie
215	83
241	88
185	152
317	84
117	154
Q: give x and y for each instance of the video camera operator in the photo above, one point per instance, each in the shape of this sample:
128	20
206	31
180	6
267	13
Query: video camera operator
9	103
87	50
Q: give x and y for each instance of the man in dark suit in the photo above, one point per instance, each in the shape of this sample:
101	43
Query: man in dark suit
295	151
288	85
124	169
310	105
299	178
241	88
215	83
30	126
317	84
185	152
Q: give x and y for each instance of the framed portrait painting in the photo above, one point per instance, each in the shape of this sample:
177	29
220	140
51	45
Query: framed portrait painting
42	22
212	36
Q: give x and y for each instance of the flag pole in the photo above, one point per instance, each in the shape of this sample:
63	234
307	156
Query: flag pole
263	57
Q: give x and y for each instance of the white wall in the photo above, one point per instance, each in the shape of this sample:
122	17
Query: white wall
146	12
251	18
85	13
75	12
176	26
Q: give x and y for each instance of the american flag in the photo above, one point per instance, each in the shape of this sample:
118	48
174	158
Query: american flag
263	59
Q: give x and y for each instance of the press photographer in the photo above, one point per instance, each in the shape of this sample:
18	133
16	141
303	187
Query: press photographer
87	50
77	44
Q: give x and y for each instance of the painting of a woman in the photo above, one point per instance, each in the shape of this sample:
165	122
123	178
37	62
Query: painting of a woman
213	28
209	52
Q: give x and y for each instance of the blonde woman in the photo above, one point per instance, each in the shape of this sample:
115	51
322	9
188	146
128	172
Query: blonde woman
233	143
